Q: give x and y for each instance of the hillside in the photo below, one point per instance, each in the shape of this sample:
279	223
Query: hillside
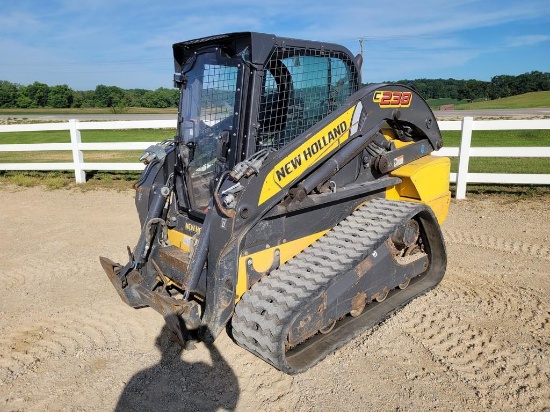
526	100
520	101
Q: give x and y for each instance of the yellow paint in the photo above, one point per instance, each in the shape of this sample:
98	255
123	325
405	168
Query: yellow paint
308	154
425	180
391	136
263	260
179	239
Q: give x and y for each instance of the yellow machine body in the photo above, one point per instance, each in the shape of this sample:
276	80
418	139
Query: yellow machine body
425	180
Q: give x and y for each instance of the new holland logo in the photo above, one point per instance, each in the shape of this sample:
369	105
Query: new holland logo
312	151
309	152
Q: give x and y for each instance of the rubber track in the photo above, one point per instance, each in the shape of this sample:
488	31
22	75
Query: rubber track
266	312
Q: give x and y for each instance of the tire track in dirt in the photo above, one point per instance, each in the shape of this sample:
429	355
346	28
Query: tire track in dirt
12	279
499	299
491	242
505	362
67	334
33	273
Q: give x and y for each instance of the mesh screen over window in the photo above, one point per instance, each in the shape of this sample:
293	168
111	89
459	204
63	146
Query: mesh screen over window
218	94
301	87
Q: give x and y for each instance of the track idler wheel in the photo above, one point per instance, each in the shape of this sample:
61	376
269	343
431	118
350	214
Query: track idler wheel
405	284
358	304
381	296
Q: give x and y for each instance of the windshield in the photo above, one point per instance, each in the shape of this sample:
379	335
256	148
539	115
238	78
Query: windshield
207	107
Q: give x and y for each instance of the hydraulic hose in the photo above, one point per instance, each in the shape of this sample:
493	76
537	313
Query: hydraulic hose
155	211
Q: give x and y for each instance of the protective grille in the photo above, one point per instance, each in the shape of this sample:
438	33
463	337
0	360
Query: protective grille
301	87
218	93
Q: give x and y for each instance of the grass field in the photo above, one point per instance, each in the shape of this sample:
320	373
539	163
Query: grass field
88	136
531	138
503	138
524	101
500	138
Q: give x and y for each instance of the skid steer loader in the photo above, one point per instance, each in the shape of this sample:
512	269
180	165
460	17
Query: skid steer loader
293	207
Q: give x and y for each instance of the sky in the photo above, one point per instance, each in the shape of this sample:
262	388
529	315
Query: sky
84	43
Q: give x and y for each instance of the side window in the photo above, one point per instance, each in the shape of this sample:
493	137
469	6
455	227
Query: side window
300	89
341	86
218	92
310	76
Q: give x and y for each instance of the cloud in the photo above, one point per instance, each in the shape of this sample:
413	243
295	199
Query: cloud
19	22
413	19
197	26
528	40
413	65
111	36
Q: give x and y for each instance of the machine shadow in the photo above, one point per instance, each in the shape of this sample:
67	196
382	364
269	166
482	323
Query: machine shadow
176	385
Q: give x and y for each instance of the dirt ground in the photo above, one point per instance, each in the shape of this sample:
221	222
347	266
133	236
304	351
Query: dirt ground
479	341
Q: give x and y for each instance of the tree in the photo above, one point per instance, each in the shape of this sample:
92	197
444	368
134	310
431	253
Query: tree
135	97
500	87
23	100
38	93
472	89
102	96
110	96
8	94
60	96
161	98
83	98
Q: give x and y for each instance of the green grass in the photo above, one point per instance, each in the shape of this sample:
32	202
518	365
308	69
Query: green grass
524	101
502	138
521	101
480	138
88	136
136	135
66	179
101	156
534	165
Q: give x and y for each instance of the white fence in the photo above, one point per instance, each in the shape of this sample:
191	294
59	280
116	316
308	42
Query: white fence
76	146
464	152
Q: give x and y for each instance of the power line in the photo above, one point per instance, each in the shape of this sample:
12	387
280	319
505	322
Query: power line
87	63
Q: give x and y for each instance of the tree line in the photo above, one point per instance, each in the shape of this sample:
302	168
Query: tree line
38	94
499	86
62	96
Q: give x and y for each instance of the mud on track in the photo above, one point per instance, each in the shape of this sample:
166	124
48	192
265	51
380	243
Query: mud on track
479	341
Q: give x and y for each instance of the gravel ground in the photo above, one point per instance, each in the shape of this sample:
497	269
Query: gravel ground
479	341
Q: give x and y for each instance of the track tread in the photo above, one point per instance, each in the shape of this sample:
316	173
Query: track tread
265	313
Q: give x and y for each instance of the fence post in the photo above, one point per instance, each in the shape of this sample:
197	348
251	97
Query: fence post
78	158
464	157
